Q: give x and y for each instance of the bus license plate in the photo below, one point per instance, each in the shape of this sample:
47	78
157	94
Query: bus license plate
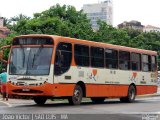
25	89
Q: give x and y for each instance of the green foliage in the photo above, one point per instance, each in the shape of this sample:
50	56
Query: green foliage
4	42
66	21
57	20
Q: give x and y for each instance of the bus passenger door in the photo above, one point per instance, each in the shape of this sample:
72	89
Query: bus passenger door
63	61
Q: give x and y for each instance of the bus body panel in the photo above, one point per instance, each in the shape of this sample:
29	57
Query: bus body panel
65	90
106	76
97	85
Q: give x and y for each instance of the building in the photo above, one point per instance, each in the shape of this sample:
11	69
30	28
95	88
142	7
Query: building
150	28
4	31
131	25
99	11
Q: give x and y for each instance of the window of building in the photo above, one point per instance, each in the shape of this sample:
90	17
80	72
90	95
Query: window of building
97	57
153	63
124	60
111	58
81	54
136	61
146	63
63	58
103	9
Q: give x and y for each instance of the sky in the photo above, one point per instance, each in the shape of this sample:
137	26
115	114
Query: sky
145	11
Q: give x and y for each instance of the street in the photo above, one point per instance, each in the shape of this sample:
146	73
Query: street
112	108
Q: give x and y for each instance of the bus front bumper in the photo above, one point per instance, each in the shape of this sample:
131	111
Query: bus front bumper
46	89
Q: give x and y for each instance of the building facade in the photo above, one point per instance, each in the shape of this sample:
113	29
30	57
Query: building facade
4	31
136	25
99	11
150	28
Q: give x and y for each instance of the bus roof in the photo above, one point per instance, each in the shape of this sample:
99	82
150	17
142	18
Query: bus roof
92	43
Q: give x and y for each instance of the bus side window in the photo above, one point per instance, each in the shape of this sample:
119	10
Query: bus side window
124	60
81	55
146	63
136	61
97	57
111	58
153	63
63	58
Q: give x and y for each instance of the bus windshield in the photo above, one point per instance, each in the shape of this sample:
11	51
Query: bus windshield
30	61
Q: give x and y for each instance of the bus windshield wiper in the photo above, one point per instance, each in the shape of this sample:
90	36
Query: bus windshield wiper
23	54
37	54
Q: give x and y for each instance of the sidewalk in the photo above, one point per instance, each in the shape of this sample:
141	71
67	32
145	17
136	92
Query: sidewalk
20	101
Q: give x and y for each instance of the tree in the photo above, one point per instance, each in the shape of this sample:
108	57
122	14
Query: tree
4	42
66	21
19	17
109	34
58	20
6	21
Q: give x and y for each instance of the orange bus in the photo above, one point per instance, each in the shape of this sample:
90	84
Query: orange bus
46	66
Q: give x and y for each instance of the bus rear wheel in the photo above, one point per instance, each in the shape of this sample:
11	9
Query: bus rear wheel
98	99
40	100
131	95
77	96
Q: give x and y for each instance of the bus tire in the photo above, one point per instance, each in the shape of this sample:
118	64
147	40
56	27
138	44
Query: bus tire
77	96
98	99
40	100
131	95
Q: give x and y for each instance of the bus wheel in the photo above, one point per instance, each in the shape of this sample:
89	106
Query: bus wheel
98	99
77	96
40	100
131	95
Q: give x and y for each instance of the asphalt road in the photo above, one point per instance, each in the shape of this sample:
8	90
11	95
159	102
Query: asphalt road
111	109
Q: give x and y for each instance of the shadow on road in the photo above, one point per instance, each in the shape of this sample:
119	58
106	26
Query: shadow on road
66	104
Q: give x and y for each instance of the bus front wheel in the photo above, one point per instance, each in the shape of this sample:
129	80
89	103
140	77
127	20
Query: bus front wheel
131	95
40	100
77	96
